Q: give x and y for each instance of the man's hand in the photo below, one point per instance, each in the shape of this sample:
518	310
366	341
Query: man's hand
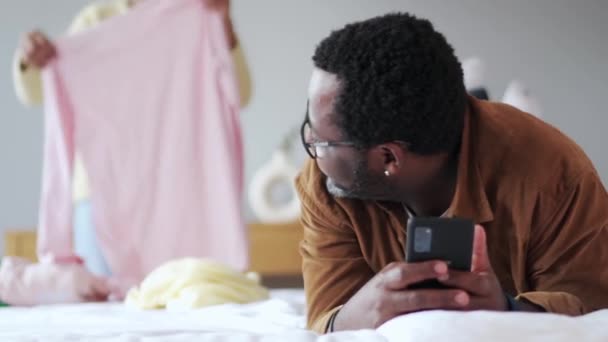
37	50
386	296
481	283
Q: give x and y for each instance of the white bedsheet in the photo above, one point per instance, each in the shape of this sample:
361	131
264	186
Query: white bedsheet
282	319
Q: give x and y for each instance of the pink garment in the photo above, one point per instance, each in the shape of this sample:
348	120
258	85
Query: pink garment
151	102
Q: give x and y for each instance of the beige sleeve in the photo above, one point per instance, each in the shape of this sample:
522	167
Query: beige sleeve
27	82
243	76
90	16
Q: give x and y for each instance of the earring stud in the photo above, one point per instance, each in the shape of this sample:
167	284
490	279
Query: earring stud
386	173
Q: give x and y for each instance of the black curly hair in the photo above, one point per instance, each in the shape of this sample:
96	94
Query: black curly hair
399	81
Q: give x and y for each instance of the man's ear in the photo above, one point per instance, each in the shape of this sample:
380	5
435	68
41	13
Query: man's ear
392	157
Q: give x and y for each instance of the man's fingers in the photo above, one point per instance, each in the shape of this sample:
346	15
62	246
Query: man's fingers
480	261
417	300
484	303
474	283
398	276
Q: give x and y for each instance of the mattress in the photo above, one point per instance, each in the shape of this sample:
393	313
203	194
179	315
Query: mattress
281	318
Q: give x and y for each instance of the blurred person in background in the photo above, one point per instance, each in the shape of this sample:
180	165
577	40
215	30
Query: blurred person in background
36	50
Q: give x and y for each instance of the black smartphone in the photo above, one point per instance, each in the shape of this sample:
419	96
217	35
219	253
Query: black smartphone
447	239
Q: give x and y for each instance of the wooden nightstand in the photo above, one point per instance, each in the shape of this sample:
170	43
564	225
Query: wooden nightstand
20	243
274	251
275	248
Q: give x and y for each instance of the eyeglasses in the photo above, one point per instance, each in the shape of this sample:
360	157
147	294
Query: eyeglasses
317	149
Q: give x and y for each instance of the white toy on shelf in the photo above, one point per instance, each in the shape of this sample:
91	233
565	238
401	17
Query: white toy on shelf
519	96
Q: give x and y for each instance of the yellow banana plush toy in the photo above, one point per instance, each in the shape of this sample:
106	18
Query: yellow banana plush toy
193	283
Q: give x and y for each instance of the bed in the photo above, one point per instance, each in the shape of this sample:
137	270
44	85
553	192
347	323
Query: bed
281	318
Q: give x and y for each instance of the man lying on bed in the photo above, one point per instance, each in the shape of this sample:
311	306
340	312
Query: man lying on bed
392	133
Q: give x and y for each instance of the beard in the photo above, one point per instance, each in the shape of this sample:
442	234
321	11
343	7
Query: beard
366	186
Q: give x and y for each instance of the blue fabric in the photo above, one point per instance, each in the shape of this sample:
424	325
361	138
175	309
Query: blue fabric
85	240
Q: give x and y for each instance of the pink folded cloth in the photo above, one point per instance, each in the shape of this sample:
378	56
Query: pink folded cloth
23	283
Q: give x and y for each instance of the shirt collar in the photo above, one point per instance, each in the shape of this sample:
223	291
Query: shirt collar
470	199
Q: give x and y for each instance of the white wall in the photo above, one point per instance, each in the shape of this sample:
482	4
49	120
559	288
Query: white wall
557	47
